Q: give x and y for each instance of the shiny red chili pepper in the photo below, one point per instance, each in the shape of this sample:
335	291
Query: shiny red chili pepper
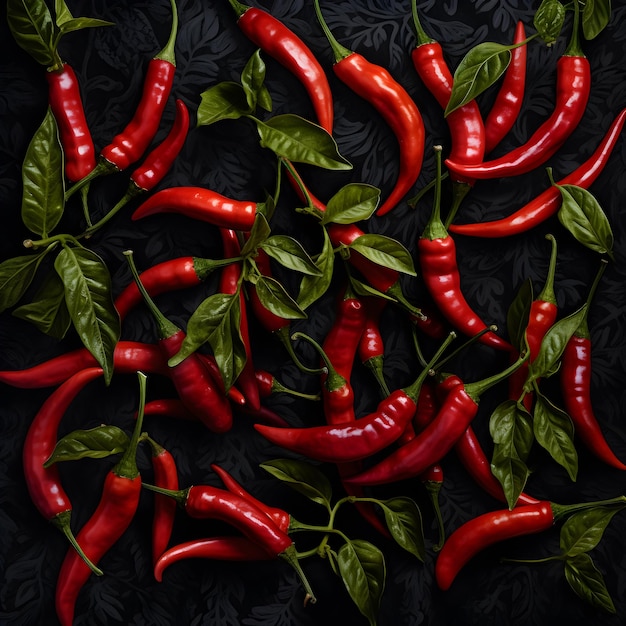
67	107
546	204
128	357
44	483
572	94
114	513
371	347
376	85
282	44
268	385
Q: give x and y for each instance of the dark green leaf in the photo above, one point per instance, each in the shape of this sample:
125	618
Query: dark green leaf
90	304
554	432
404	522
548	20
478	70
296	139
32	27
258	234
583	216
596	16
80	23
303	477
352	203
252	80
42	178
16	275
275	298
518	313
363	571
583	531
290	253
226	100
94	443
587	581
314	287
385	251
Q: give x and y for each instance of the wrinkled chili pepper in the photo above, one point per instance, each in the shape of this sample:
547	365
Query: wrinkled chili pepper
193	381
547	203
114	513
44	483
376	85
572	94
575	380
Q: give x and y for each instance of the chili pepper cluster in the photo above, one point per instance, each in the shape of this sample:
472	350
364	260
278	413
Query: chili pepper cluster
310	325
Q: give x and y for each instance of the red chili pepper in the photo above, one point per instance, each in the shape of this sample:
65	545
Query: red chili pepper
546	204
128	357
67	107
376	85
114	513
572	94
268	385
44	483
371	347
508	102
169	407
282	44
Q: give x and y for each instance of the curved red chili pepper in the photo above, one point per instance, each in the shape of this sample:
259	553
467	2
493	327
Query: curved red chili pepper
376	85
371	347
268	385
44	483
67	107
547	203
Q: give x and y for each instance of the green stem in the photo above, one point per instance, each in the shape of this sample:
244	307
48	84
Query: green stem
291	556
284	334
131	193
62	522
395	291
583	328
103	168
547	293
422	37
127	465
278	387
168	52
180	495
565	510
573	47
340	52
375	365
459	191
294	173
334	379
433	488
50	242
476	389
238	7
466	344
545	559
412	202
435	228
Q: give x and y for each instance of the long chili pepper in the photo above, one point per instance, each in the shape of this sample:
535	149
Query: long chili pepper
207	502
440	272
508	103
371	347
575	379
44	483
496	526
268	385
114	513
230	283
376	85
282	44
128	357
547	203
193	381
430	445
572	94
166	476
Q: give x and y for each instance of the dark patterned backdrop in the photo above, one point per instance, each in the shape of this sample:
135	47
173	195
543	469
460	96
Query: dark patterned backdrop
225	157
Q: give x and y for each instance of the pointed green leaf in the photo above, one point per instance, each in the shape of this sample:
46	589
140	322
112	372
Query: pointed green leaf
252	80
80	23
62	12
583	531
94	443
16	275
518	313
404	522
32	28
596	16
314	287
548	20
352	203
226	100
259	232
385	251
363	289
290	254
587	581
275	298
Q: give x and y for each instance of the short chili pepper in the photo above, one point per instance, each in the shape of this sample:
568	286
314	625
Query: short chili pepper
113	515
496	526
572	94
575	380
440	272
376	85
44	483
269	385
547	203
193	381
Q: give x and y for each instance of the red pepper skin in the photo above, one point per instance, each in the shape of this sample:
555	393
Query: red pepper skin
572	94
169	407
485	530
67	107
128	357
441	277
546	204
575	378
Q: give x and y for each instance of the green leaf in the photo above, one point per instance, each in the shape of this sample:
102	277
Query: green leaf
94	443
48	310
583	216
16	275
363	289
548	20
518	314
290	254
313	287
259	232
385	251
583	531
252	80
90	304
595	18
226	100
587	581
301	141
303	477
480	68
352	203
275	298
80	23
404	522
42	178
32	27
554	432
363	571
62	14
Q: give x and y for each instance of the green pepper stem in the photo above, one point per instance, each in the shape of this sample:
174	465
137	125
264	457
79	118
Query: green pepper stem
180	495
583	328
284	334
168	52
62	522
573	47
422	37
459	191
466	344
132	191
340	52
238	7
476	389
127	465
375	365
290	555
435	228
433	488
103	168
278	387
547	293
334	379
412	202
565	510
